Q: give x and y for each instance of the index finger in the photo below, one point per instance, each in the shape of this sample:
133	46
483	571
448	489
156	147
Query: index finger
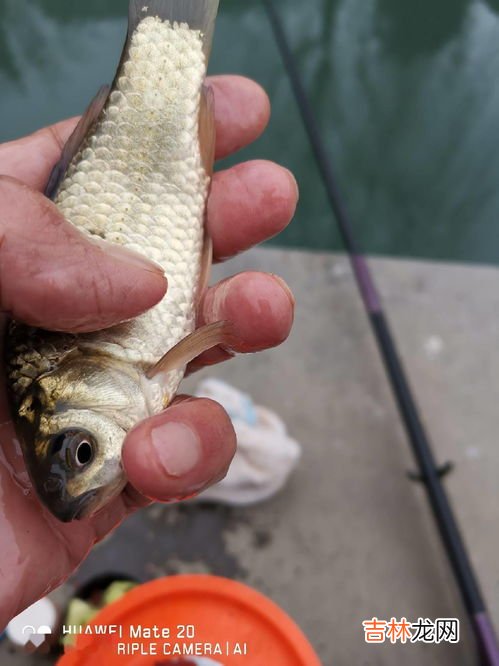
242	111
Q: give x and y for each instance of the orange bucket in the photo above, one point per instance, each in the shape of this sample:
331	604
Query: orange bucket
198	620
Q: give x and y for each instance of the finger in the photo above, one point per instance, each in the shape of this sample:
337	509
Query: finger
179	453
261	307
45	261
248	204
242	111
32	158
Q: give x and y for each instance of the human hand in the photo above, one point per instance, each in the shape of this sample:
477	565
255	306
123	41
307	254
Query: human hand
44	262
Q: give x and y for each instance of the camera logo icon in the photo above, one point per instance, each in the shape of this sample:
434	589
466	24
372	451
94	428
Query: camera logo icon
35	635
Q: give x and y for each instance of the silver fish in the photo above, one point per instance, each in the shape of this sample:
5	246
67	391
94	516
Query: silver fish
136	172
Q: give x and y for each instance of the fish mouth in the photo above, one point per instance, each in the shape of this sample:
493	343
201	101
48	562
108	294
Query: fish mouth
62	505
65	507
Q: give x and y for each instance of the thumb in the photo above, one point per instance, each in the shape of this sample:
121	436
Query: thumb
52	276
178	453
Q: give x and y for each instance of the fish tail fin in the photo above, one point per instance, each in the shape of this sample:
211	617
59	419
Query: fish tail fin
198	14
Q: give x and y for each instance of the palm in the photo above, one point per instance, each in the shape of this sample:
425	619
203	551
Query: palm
261	196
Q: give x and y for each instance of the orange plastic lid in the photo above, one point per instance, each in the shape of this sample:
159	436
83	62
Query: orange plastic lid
199	621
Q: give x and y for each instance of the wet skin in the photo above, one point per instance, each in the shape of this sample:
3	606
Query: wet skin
44	262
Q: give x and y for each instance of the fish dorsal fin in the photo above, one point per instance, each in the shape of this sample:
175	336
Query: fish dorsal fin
205	338
205	271
87	121
198	14
207	137
207	129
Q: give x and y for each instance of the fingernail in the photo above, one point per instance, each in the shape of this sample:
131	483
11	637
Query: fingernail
286	288
177	447
129	256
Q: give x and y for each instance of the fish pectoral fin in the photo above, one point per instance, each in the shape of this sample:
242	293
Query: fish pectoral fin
205	338
75	141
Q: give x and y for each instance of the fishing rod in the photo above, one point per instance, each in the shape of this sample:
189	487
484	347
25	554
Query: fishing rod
442	511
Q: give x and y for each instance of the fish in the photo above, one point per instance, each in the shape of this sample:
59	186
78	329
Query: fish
136	172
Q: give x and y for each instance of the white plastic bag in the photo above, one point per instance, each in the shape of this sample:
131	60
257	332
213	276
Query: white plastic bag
266	454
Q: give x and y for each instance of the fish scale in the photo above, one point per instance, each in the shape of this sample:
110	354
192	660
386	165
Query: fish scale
151	201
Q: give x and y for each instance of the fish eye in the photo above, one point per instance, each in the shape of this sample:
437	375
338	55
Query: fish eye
76	447
84	453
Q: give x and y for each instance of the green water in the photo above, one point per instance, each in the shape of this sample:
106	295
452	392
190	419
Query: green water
407	96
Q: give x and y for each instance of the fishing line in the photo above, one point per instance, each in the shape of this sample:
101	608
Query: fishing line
442	511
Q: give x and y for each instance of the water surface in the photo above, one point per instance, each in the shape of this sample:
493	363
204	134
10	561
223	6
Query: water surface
406	94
